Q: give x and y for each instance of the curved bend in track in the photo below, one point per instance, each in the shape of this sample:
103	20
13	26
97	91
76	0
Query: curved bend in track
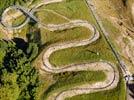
109	69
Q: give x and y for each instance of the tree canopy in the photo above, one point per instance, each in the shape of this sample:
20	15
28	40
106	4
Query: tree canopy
19	80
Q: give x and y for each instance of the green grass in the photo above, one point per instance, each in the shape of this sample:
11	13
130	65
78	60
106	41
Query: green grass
67	80
72	9
83	54
115	94
19	20
48	17
78	33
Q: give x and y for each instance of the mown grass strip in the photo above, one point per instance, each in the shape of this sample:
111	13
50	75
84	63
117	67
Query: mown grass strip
67	80
48	17
93	52
115	94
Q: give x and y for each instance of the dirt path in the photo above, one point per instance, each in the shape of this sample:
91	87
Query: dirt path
109	69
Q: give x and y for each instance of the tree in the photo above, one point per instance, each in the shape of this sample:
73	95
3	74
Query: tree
18	79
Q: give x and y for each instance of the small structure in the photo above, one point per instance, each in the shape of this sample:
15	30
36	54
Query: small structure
129	78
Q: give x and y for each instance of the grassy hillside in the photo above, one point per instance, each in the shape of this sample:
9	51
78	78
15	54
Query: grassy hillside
93	52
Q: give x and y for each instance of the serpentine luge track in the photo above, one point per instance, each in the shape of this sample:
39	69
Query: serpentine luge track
108	68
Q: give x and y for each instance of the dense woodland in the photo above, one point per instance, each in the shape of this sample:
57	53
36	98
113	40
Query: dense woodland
18	79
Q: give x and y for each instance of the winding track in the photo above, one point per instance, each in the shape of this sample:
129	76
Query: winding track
108	68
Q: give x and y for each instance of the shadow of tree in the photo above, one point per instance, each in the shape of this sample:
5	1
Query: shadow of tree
131	89
20	44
